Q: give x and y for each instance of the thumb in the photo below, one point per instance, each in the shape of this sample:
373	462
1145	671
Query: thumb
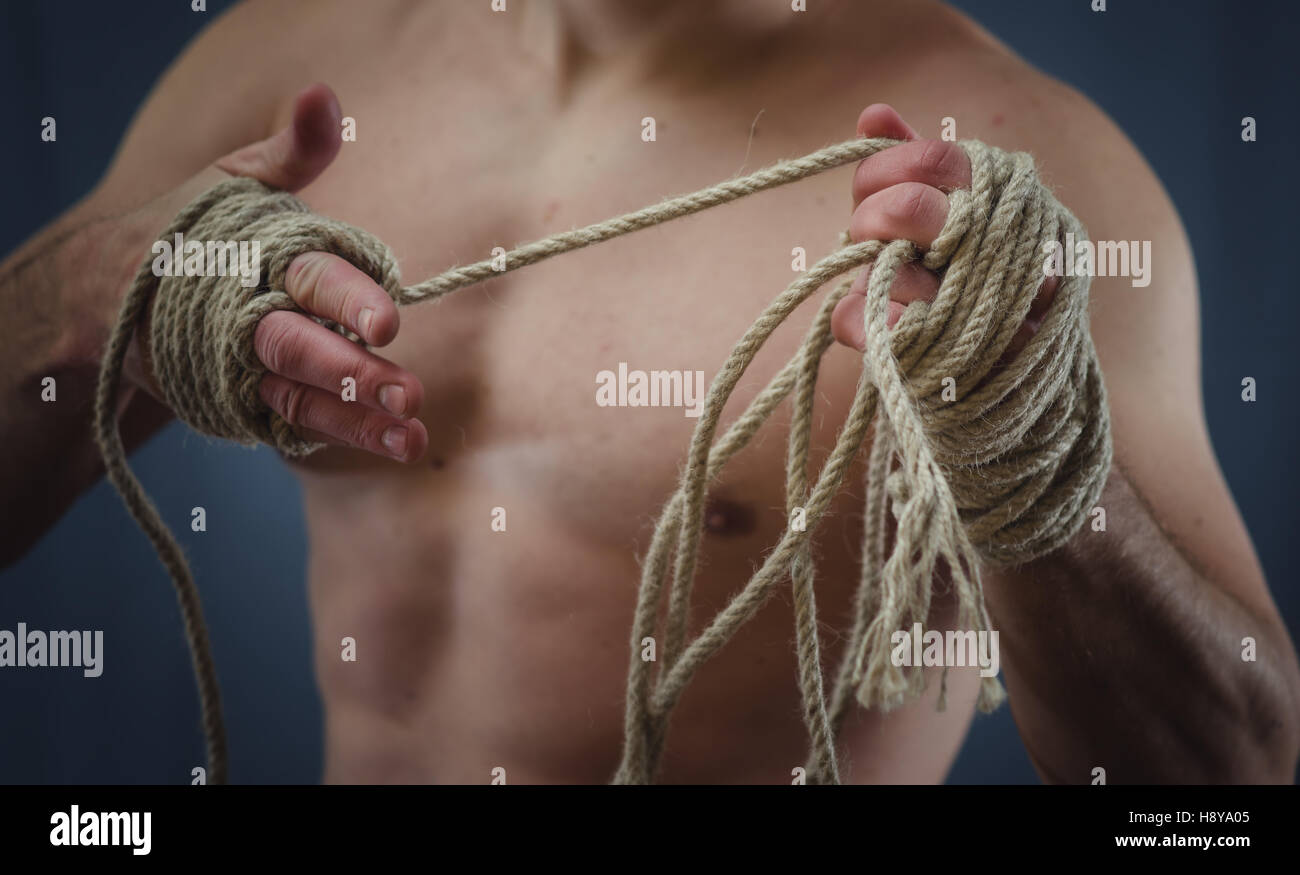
289	160
292	158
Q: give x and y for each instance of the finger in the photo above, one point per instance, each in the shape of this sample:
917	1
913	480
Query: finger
936	163
317	437
906	211
296	155
317	411
297	348
912	282
847	320
1043	300
882	120
329	287
1033	320
1046	293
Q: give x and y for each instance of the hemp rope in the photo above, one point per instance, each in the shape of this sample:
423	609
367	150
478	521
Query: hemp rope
1003	474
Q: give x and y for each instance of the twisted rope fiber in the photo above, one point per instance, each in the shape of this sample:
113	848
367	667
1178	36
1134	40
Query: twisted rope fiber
1003	474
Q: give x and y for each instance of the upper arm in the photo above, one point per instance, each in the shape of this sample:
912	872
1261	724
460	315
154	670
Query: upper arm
223	92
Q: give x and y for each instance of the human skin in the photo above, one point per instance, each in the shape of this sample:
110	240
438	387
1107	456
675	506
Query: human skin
481	649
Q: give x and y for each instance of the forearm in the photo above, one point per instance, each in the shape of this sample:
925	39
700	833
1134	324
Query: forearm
61	288
1120	654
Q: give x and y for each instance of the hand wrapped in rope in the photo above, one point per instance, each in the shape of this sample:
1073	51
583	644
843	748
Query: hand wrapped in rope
1004	473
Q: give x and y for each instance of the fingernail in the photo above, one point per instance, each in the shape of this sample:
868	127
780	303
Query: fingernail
393	398
395	439
364	319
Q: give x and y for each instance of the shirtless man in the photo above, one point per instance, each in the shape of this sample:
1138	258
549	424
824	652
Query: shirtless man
478	129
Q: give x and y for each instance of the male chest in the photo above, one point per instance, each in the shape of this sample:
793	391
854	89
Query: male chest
584	374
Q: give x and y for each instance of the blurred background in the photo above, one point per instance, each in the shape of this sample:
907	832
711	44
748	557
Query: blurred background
1176	75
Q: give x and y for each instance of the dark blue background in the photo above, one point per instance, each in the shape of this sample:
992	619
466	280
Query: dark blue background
1177	77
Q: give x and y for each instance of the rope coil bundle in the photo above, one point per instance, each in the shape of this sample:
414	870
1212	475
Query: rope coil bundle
1004	473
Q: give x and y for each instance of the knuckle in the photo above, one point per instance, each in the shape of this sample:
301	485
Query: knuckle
364	431
293	274
939	160
368	374
278	341
910	203
349	295
296	404
303	278
272	392
324	288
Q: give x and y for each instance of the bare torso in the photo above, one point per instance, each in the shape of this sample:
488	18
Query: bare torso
479	648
